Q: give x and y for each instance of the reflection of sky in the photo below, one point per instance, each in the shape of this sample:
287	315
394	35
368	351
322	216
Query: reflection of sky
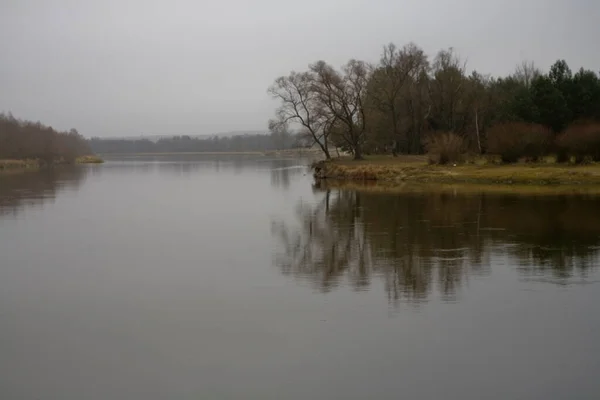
187	164
162	284
34	189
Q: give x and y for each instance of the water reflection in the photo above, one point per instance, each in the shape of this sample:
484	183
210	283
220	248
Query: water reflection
281	175
422	244
31	189
281	169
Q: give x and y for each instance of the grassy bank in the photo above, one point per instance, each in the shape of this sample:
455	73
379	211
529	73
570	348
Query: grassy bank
33	164
89	160
416	169
16	165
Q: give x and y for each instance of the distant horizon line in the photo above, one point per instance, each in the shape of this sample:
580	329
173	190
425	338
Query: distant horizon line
196	135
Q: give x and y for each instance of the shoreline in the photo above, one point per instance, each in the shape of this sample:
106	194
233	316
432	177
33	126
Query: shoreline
412	169
37	164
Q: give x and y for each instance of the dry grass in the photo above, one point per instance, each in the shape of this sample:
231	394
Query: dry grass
91	159
414	169
32	164
445	147
12	165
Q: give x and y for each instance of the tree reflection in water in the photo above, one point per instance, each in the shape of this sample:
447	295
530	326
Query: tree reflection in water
421	244
19	190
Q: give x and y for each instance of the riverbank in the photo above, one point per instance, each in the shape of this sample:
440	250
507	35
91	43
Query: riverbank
91	159
16	165
33	164
390	170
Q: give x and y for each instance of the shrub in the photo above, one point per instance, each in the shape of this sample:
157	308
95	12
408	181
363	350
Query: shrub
444	147
514	140
580	140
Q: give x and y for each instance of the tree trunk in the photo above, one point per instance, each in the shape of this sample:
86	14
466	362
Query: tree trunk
477	131
416	142
325	150
357	152
397	148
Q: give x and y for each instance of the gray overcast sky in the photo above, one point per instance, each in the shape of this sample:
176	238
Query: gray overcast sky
130	67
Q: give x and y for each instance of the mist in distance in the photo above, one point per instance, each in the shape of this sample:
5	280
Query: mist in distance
131	68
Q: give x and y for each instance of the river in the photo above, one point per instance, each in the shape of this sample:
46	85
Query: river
240	278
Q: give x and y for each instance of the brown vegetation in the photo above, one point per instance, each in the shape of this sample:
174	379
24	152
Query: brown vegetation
444	147
513	140
11	165
580	141
25	140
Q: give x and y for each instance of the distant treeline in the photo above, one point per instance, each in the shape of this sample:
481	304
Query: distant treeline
178	144
411	103
21	139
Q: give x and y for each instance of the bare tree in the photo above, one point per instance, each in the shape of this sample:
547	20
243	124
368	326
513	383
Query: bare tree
526	72
481	101
298	104
446	91
341	98
397	68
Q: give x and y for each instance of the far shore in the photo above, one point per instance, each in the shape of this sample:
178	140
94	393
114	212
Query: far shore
388	171
218	153
35	164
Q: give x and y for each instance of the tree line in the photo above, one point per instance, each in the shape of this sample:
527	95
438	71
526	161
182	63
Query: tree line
409	103
20	139
239	143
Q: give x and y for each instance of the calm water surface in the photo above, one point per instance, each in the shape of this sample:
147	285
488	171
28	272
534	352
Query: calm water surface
239	278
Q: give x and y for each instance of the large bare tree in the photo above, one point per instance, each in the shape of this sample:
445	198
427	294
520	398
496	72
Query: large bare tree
526	72
446	91
397	69
341	96
299	104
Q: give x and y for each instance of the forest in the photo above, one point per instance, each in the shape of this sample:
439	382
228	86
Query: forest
21	140
177	144
409	103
